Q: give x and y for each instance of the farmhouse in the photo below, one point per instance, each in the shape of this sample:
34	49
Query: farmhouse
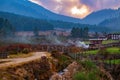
114	36
95	41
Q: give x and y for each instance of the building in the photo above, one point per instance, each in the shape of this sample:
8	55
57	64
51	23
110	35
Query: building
114	36
95	41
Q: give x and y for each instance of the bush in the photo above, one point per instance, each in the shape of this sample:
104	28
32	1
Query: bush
25	50
92	75
55	54
103	51
80	76
89	65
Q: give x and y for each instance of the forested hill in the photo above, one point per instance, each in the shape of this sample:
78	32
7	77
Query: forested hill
23	23
113	23
70	25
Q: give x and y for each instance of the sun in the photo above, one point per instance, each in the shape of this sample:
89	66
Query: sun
79	11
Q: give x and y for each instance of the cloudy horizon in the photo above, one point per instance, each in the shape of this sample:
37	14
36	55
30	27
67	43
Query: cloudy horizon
77	8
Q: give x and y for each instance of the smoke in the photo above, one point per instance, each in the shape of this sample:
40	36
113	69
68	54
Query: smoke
81	44
17	39
23	39
78	43
50	39
54	40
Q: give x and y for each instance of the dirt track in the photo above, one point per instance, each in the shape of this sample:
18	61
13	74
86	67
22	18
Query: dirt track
17	61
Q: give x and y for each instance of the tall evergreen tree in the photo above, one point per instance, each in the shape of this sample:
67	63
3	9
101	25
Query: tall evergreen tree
6	29
86	30
36	31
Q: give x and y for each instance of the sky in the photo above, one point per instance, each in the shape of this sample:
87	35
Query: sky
77	8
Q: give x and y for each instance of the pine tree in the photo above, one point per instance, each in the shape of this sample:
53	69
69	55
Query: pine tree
36	32
6	29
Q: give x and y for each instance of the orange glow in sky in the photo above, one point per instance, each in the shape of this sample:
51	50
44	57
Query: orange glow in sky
80	12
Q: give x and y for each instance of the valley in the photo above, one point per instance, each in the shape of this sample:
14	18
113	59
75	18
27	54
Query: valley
59	40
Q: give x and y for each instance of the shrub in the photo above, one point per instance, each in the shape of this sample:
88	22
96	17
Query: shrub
25	50
55	54
92	76
89	65
80	76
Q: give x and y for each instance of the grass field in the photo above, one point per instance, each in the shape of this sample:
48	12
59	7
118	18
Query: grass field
104	42
109	41
112	50
92	52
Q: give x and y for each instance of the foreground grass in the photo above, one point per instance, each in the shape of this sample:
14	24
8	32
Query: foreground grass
115	61
88	72
113	50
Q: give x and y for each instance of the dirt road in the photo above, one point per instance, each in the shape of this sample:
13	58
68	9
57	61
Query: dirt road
17	61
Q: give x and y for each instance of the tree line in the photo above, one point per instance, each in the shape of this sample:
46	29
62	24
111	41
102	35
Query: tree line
77	32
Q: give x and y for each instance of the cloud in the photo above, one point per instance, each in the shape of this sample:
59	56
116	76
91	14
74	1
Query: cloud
81	7
101	4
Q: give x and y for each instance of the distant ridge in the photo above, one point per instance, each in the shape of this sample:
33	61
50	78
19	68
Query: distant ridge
99	16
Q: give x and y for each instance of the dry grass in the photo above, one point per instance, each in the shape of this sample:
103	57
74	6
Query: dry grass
20	55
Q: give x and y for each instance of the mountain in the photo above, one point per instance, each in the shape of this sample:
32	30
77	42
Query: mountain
27	8
113	23
23	23
99	16
38	16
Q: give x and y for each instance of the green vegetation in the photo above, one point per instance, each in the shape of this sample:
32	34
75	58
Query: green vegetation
92	52
104	42
63	60
88	65
23	23
112	50
86	76
87	42
89	72
109	41
115	61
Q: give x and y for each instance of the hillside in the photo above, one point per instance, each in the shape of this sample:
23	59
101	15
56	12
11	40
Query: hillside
23	23
70	25
113	23
99	16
